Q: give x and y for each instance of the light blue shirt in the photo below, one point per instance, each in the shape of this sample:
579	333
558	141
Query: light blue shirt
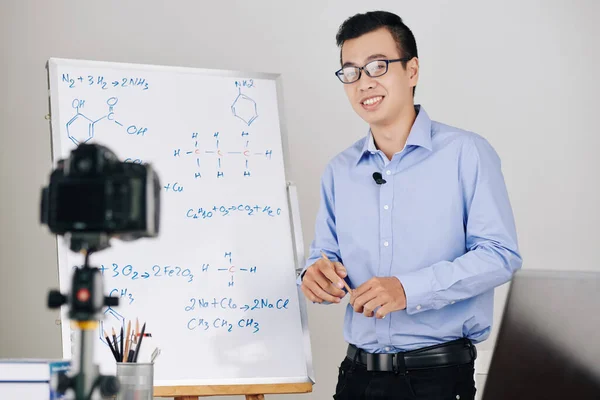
442	224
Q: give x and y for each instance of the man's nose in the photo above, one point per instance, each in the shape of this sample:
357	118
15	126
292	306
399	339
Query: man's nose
366	82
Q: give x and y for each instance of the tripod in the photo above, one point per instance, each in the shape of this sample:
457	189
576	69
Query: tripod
85	301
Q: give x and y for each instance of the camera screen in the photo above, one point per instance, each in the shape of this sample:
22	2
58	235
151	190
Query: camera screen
81	203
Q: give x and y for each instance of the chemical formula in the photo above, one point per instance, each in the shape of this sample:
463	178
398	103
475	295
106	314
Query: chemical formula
244	109
232	269
81	128
221	156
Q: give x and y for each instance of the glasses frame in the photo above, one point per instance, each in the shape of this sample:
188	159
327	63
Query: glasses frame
339	73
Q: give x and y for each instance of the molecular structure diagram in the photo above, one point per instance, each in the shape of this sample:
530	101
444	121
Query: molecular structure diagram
219	153
232	269
112	319
81	129
244	108
246	153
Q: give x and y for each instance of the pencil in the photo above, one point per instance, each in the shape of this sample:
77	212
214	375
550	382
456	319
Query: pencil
121	347
115	343
139	344
343	280
112	350
126	351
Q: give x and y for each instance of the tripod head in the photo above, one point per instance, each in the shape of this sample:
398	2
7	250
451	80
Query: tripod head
85	300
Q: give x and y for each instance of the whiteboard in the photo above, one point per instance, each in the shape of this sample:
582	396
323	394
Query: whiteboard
217	287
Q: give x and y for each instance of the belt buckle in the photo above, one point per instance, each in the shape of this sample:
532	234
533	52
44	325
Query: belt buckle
383	362
378	362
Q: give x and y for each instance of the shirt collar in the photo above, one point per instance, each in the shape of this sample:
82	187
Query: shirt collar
420	134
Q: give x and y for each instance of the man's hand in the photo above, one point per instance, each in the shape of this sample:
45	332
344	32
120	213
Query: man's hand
386	293
323	281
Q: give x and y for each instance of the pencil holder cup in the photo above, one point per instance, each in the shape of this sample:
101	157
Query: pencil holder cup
136	380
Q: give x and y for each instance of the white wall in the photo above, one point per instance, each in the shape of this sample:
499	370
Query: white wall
521	73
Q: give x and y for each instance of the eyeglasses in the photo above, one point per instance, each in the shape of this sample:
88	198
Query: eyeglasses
373	69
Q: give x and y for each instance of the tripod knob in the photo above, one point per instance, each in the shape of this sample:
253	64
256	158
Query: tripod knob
109	385
56	299
111	301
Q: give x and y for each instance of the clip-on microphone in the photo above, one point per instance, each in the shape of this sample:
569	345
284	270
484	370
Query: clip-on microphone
378	178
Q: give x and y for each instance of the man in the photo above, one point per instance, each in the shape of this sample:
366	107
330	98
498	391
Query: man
416	218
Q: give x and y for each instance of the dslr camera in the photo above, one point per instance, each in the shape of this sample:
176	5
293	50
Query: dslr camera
92	196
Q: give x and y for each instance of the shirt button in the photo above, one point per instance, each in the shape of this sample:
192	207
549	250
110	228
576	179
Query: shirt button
418	307
388	172
386	207
386	243
387	349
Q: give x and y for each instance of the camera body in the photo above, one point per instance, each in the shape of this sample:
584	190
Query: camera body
92	196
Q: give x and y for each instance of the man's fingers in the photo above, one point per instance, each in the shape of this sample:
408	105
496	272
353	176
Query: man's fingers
340	269
324	295
318	283
369	307
328	287
363	299
365	287
359	291
383	311
331	274
310	295
317	295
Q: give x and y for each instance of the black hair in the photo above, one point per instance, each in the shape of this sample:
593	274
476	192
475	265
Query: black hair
359	24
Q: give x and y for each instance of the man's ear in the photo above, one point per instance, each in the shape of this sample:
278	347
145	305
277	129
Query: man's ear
413	71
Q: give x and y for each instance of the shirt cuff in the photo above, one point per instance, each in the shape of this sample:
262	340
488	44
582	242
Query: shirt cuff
301	275
418	291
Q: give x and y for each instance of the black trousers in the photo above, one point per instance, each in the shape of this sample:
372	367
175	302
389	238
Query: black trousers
443	383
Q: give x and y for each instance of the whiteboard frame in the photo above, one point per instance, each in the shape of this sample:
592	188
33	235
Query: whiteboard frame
293	205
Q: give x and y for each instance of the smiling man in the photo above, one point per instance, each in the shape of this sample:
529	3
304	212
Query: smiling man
416	217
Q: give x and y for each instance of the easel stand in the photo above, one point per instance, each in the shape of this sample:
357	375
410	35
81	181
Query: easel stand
248	397
252	392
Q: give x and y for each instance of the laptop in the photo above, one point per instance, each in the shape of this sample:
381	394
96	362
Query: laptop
548	345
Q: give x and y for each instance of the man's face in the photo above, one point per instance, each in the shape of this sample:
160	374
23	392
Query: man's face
386	95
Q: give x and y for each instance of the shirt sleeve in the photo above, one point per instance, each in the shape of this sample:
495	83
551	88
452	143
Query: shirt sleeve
325	238
492	254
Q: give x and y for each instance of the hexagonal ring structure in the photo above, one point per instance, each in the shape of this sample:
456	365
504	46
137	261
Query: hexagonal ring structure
80	129
245	109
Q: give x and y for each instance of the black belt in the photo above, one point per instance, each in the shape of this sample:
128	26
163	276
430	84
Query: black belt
457	352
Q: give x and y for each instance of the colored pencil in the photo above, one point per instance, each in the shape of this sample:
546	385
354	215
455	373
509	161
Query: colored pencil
127	336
